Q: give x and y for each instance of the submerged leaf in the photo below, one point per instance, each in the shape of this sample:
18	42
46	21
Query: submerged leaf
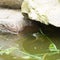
53	48
7	51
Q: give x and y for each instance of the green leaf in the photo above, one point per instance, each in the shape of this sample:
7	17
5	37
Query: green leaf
53	48
7	51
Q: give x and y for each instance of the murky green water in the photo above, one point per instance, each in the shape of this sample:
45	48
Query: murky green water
31	46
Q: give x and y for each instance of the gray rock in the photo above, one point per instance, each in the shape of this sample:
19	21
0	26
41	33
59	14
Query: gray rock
12	21
11	3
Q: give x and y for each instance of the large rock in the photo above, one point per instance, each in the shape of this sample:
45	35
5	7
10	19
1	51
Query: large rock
44	11
11	3
12	21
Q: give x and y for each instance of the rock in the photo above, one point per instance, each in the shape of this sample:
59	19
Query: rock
12	21
11	3
44	11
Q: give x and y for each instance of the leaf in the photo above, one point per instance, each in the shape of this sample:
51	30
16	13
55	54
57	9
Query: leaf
53	48
7	51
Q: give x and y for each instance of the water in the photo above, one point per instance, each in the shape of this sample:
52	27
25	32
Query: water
31	46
